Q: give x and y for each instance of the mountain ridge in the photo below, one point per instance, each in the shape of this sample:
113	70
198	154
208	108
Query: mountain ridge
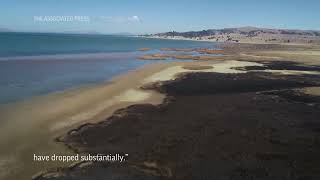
242	30
247	34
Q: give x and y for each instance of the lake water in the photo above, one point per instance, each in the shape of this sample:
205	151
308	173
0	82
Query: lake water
34	64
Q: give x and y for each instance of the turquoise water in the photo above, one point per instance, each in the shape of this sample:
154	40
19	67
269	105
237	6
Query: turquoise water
34	64
24	44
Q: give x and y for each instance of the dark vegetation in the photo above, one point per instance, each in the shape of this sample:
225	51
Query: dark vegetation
211	126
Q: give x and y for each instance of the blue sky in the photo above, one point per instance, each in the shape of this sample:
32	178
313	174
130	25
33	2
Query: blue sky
149	16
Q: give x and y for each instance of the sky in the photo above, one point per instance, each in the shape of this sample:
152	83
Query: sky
152	16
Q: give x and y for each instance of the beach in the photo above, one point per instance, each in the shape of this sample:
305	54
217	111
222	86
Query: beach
46	117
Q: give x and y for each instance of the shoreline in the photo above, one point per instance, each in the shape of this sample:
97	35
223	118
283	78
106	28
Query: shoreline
46	117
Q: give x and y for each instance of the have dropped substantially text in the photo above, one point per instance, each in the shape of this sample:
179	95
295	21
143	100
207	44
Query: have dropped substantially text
77	157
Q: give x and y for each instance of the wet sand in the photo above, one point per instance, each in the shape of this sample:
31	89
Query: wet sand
42	119
38	121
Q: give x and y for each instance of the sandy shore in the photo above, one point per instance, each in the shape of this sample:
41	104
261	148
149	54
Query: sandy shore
41	119
44	118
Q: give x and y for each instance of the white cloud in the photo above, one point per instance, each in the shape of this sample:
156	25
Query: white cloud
134	19
119	19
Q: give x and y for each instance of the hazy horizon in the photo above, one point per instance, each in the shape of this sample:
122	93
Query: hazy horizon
128	33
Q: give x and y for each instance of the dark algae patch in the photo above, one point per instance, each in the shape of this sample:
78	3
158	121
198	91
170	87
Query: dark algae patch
284	65
212	126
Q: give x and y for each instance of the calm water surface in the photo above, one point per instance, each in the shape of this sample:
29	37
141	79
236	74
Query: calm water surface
39	63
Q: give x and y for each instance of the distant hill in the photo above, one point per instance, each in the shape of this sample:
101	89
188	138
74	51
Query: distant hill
247	34
81	32
248	31
123	34
5	30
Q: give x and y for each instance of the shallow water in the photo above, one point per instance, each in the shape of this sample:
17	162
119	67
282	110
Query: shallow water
34	64
25	78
